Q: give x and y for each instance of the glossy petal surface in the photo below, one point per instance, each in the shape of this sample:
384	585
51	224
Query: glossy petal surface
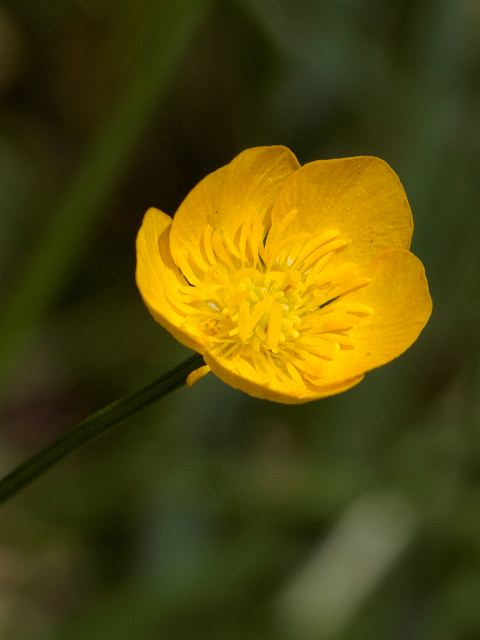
360	197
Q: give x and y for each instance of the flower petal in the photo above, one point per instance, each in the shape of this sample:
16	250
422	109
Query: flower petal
268	387
158	279
243	190
361	198
401	306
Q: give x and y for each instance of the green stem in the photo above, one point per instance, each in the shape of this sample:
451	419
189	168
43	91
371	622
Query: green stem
95	426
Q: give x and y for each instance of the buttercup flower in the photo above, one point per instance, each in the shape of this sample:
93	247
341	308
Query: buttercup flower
291	281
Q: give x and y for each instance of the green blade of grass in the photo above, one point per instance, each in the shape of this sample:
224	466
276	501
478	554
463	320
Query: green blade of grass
58	251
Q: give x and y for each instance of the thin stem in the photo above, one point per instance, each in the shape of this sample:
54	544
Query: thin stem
95	426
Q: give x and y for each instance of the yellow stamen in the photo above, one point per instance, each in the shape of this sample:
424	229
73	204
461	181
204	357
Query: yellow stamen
274	326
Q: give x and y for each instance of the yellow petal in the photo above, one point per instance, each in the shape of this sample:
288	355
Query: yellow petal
269	388
361	198
158	279
400	302
242	190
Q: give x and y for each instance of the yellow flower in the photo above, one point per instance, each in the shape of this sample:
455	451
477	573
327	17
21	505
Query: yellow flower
292	282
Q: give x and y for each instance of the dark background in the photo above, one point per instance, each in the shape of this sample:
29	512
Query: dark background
214	515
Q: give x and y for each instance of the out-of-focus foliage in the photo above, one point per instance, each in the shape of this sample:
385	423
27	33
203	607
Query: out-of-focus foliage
214	515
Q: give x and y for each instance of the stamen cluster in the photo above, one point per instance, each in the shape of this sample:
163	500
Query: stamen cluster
286	304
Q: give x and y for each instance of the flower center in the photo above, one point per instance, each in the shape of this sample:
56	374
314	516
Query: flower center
261	308
279	297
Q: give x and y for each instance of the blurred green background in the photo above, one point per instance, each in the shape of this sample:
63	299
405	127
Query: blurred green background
214	515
